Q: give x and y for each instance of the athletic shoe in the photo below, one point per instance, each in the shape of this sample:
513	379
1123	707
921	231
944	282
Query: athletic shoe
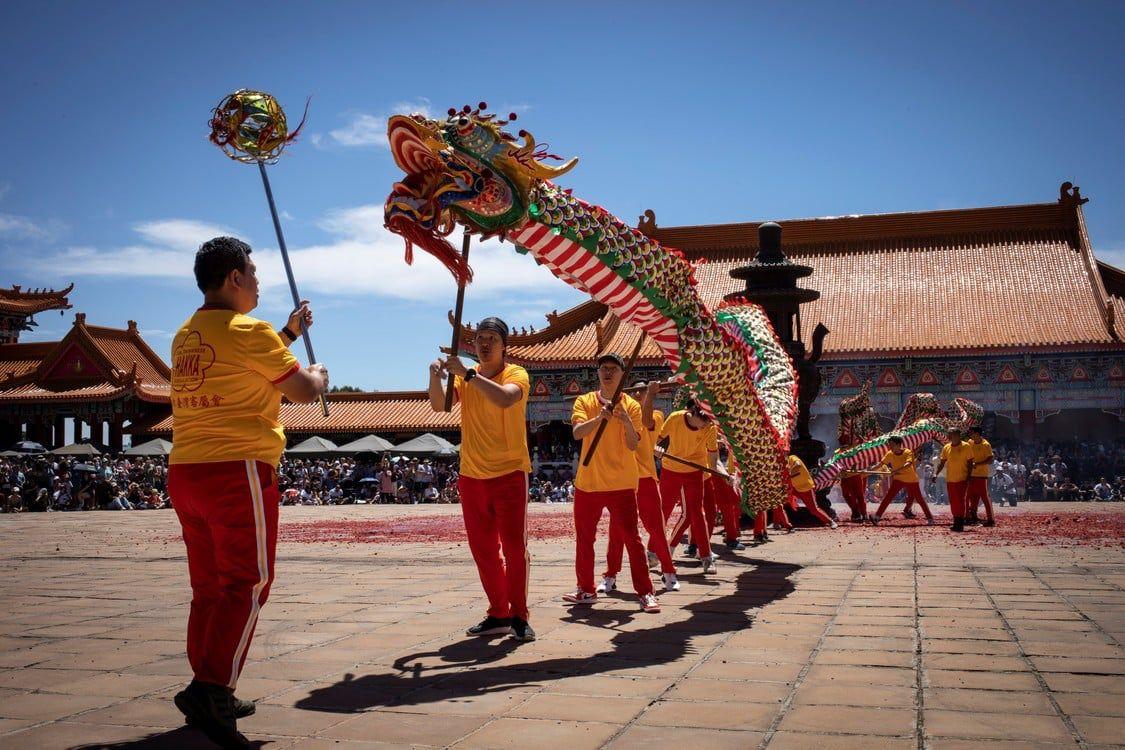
653	560
580	597
875	520
972	521
761	538
908	514
649	603
492	626
521	630
929	522
856	518
734	545
609	583
709	564
242	708
210	708
692	551
958	525
988	522
832	525
671	583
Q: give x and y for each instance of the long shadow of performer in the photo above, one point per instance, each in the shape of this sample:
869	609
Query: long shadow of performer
414	684
184	738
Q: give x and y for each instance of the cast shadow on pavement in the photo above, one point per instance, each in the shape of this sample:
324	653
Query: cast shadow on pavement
183	738
464	671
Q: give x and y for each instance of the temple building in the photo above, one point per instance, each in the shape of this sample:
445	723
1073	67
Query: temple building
1006	306
18	309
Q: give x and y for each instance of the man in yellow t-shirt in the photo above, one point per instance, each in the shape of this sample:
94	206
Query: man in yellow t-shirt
801	481
956	459
607	480
689	435
899	461
977	490
229	372
649	505
493	476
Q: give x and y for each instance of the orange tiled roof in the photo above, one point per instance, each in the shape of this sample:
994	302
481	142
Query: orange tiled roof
1002	278
16	300
360	413
124	361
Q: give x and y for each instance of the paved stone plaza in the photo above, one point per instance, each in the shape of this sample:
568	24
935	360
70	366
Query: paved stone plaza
864	638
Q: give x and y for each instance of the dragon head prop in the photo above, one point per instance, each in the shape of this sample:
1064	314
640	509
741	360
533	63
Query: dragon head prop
465	170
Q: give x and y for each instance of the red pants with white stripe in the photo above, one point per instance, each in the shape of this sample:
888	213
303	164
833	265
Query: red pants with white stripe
652	516
228	513
957	497
854	490
495	513
913	495
809	499
686	488
718	495
622	506
976	492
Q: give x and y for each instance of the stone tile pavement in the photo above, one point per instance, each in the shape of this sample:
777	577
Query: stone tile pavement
865	639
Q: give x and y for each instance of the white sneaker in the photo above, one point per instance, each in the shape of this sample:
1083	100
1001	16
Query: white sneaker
833	525
580	597
653	560
671	583
609	583
649	603
709	563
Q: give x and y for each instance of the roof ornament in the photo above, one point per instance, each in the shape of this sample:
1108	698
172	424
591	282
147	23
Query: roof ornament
79	319
1070	195
647	221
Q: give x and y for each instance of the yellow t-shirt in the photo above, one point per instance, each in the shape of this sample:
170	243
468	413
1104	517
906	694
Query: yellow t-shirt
981	451
614	466
494	440
225	401
646	459
901	465
803	481
686	443
956	459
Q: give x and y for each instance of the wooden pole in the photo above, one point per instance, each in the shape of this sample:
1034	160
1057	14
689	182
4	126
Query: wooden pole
456	345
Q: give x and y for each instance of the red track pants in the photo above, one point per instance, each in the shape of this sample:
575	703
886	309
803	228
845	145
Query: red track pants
686	488
957	497
228	513
495	513
978	491
652	516
913	495
718	495
622	505
854	490
809	499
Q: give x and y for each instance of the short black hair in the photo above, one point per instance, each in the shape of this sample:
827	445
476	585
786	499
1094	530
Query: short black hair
611	357
895	439
216	258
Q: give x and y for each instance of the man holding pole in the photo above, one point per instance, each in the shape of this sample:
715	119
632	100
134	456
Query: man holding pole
608	480
229	372
493	475
690	435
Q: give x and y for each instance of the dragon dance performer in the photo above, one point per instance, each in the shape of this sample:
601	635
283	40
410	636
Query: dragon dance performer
608	481
956	459
648	502
690	435
903	477
978	480
853	486
719	495
493	474
229	372
803	487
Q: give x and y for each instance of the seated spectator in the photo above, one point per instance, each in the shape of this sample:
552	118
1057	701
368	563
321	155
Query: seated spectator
1103	491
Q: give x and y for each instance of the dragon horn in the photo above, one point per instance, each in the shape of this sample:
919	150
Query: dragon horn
537	168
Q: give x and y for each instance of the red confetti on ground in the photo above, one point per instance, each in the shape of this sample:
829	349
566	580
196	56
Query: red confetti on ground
1023	528
414	529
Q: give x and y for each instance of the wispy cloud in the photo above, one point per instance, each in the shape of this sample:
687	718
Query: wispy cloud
360	258
366	129
23	228
1113	255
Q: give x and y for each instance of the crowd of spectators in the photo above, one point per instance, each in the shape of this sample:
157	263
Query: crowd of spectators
1075	471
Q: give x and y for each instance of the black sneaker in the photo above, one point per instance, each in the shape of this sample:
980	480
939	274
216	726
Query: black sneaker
210	708
761	538
988	522
972	521
734	545
908	515
492	626
521	630
243	707
958	525
692	551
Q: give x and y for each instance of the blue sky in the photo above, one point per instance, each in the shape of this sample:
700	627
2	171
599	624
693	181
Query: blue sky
703	112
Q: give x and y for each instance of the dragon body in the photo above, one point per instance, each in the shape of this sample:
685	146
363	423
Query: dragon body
467	170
